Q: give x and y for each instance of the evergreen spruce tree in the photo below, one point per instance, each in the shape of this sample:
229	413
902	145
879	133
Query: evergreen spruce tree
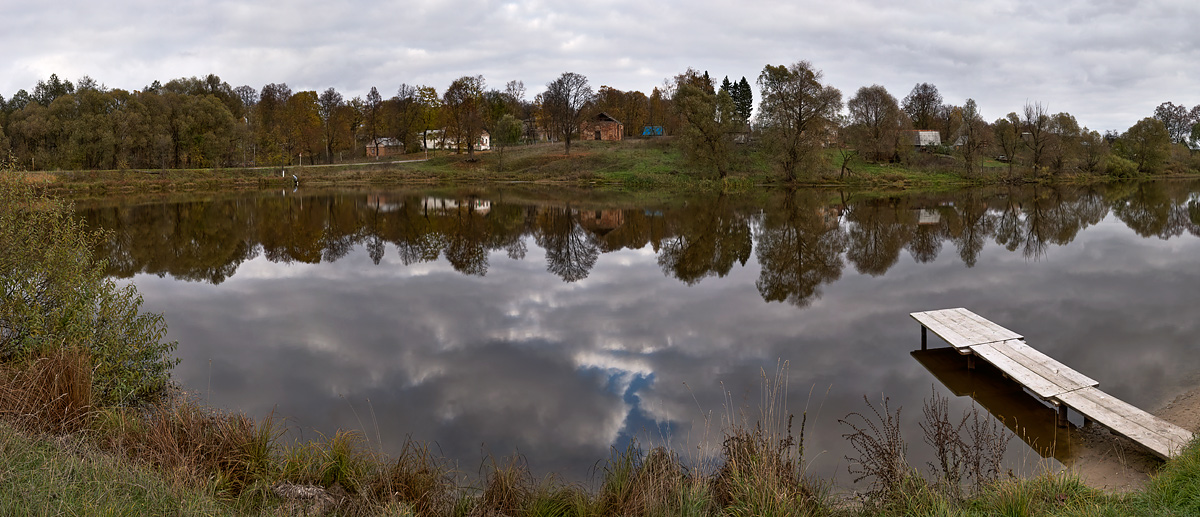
728	87
743	98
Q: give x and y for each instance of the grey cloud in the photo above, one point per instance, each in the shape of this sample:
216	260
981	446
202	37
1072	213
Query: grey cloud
1106	62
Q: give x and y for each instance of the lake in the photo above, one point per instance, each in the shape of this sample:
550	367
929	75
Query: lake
561	323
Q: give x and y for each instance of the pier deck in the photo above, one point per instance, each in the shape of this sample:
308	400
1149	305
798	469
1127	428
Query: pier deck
1049	379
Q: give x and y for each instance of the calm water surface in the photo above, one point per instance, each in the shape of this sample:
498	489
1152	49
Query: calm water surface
562	324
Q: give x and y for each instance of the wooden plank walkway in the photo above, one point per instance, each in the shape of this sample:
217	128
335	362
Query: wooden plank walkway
1049	379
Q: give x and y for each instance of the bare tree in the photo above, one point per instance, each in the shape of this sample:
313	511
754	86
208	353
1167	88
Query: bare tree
563	102
796	112
405	115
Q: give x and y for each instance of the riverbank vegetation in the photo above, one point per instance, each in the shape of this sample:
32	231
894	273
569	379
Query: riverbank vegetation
197	130
91	423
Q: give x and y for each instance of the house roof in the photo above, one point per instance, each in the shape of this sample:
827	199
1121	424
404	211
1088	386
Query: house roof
605	117
385	142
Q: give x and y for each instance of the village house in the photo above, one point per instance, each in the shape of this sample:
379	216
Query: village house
924	137
601	127
384	147
440	139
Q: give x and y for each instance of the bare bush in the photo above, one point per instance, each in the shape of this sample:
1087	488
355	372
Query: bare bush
969	449
880	447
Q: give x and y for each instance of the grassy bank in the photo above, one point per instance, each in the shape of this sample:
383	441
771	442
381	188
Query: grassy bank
634	164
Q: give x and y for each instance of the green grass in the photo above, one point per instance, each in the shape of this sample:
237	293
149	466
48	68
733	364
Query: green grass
633	164
40	476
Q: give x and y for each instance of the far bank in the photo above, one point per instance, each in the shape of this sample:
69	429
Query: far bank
637	164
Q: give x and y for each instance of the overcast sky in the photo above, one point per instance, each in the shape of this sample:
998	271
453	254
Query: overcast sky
1108	62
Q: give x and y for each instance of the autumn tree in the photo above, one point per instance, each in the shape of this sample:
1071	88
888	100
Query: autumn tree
922	105
304	124
271	110
463	101
795	113
632	108
564	101
876	121
708	119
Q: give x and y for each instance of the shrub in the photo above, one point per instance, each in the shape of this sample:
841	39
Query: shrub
1120	167
56	296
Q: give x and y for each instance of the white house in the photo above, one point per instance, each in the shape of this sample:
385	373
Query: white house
924	137
440	139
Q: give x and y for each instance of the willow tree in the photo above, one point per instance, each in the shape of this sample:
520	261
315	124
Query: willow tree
707	121
796	113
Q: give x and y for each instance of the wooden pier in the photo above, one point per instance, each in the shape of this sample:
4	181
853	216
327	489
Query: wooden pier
1049	379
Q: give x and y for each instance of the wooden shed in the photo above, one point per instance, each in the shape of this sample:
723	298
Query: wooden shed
601	127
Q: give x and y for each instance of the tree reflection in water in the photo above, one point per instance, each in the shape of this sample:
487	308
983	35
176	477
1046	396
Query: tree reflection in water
801	238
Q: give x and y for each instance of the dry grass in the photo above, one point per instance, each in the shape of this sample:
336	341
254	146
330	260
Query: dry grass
419	480
51	394
191	442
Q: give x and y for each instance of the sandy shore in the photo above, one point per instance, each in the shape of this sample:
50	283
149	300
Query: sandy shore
1113	463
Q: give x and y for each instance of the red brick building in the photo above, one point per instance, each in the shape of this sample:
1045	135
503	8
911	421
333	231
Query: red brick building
384	147
601	127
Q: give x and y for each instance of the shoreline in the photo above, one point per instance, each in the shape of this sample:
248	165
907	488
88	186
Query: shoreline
1115	464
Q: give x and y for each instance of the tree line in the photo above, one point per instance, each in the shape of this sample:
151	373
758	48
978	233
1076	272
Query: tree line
205	122
801	125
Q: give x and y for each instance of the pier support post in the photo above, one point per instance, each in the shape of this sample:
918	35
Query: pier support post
924	339
971	362
1062	415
